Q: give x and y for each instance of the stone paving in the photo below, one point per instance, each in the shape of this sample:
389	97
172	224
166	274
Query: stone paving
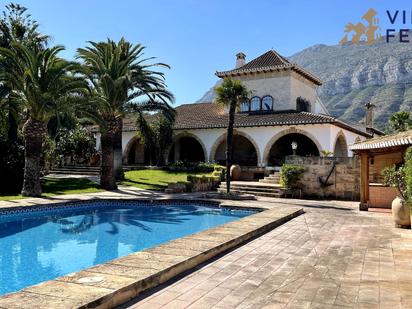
333	256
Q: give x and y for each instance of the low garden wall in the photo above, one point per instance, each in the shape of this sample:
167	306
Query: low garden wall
343	183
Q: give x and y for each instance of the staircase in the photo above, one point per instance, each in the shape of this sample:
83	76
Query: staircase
272	178
77	170
268	187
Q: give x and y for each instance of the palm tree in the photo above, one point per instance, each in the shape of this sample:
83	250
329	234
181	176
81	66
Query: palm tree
42	84
231	93
17	26
400	121
123	82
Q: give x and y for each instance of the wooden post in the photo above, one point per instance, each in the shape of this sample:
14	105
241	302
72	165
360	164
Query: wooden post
364	185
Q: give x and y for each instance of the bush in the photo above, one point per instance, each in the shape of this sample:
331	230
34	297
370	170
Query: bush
11	166
408	174
395	177
290	175
79	144
219	172
201	167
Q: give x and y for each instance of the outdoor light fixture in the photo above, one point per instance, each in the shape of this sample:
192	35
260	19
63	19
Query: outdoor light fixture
294	147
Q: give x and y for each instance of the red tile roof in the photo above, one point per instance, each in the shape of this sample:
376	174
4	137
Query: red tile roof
269	62
210	115
387	141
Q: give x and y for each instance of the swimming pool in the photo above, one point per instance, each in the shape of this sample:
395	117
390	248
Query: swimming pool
43	244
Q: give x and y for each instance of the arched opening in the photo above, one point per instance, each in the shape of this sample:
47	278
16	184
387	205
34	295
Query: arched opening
135	152
341	147
187	149
244	152
283	147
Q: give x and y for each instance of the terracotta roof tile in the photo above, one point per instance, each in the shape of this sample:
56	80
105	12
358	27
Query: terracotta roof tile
210	115
387	141
268	62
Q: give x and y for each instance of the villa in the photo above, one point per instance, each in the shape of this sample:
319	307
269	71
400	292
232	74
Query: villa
284	108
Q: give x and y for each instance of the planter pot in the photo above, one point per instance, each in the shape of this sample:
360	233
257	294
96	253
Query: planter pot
235	172
95	159
401	212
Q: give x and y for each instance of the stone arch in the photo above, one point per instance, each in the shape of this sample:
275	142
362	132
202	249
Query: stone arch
222	138
279	135
139	153
186	134
340	148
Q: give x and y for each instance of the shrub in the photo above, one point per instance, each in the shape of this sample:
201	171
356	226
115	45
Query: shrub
395	177
79	144
290	175
201	167
408	174
11	166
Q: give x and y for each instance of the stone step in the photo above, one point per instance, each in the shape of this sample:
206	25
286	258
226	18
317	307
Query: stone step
255	189
273	181
252	184
63	172
77	170
256	193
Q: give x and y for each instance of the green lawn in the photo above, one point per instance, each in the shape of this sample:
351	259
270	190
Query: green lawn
54	186
155	179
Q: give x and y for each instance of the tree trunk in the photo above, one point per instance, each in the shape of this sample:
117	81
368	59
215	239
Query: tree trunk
229	144
33	132
12	130
118	153
107	176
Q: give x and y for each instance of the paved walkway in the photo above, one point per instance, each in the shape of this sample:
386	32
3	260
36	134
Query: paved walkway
331	257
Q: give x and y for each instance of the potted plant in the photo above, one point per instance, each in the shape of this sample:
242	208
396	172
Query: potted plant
394	176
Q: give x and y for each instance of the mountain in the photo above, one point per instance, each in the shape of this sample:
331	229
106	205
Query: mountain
356	74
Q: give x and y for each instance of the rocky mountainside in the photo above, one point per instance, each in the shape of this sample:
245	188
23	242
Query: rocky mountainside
356	74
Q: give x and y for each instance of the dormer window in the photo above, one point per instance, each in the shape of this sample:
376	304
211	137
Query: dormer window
255	104
244	107
302	105
267	103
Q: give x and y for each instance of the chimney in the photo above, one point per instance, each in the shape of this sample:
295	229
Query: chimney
240	59
369	117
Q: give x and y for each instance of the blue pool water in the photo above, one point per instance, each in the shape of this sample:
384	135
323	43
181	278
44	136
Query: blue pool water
44	244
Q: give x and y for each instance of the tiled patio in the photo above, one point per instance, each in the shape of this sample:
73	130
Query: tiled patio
331	257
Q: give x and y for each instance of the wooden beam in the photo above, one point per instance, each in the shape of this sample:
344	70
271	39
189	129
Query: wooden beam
364	178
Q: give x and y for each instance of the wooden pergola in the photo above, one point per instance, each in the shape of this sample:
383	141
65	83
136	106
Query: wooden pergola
388	144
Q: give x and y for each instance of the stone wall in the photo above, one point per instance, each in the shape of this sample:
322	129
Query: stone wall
343	183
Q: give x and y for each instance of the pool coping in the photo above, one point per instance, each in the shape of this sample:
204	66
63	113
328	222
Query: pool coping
115	282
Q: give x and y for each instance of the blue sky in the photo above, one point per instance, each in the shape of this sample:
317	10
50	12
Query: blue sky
198	37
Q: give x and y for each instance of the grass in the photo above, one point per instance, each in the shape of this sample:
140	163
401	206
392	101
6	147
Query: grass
156	180
59	186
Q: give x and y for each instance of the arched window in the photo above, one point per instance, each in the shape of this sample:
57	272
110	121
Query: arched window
267	103
244	107
255	104
302	105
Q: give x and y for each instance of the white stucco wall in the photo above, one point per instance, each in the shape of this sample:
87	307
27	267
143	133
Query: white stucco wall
301	87
284	86
275	84
324	135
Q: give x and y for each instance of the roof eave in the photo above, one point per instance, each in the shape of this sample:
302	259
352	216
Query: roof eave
293	67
